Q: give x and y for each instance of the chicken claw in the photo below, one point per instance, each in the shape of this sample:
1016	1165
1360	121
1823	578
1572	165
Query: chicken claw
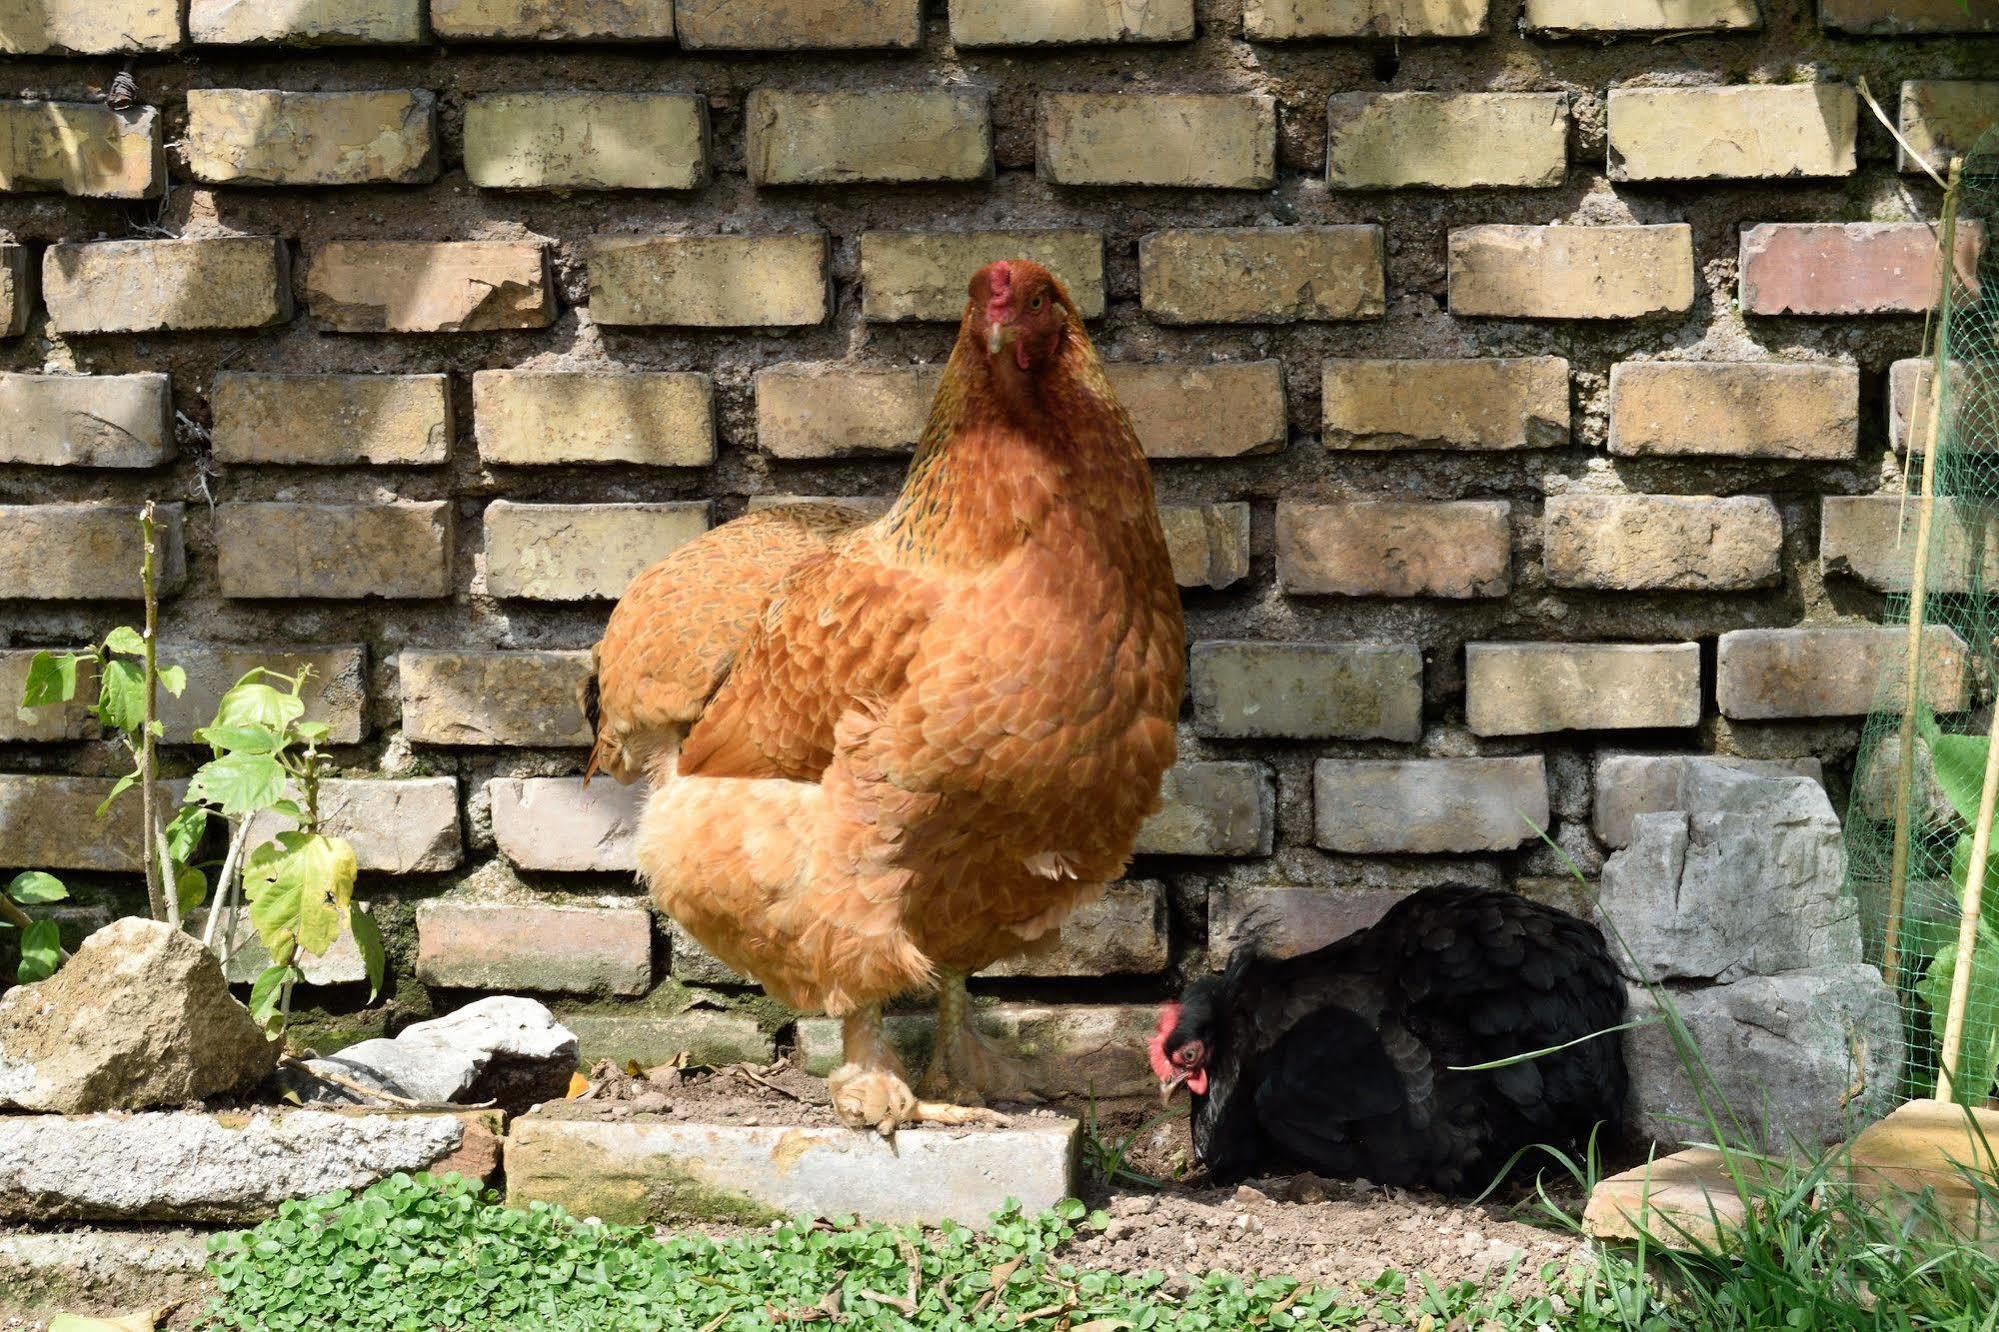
876	1098
966	1067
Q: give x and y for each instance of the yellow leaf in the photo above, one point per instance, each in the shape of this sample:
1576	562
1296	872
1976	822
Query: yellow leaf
578	1084
144	1321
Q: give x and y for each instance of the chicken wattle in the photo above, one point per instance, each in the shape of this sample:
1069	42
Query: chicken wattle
884	755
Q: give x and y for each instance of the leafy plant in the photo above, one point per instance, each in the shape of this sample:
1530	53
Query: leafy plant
424	1253
299	884
1106	1159
1958	762
41	943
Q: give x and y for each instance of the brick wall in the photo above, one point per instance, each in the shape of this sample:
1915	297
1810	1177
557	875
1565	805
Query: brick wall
1518	375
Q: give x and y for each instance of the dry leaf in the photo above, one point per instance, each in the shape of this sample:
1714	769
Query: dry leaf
578	1084
144	1321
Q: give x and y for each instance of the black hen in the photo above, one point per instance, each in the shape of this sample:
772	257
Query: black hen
1340	1061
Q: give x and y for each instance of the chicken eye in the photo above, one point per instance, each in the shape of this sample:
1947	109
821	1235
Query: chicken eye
1190	1055
1037	302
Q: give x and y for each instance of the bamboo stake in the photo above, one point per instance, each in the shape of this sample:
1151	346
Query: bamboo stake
163	897
1912	683
1967	924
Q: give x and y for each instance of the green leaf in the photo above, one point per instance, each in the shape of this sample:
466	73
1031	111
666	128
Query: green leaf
51	679
241	784
173	679
124	784
267	995
126	641
1978	1062
32	888
299	888
185	831
254	704
41	952
191	886
121	695
1959	764
368	938
248	739
288	808
312	732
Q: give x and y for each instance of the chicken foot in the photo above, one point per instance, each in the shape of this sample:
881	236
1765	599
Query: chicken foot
966	1068
868	1090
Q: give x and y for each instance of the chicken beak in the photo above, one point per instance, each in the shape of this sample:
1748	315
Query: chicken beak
999	337
1167	1086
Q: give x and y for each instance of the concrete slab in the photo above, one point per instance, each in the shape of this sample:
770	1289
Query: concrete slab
230	1167
45	1272
648	1169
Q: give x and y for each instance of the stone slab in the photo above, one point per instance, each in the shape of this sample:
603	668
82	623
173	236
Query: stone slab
1628	785
233	1167
88	27
708	1037
644	1170
1686	1199
1948	1152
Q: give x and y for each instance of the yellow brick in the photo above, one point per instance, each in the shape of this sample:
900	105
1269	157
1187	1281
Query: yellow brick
1539	688
833	409
1068	22
244	136
554	20
1178	139
306	22
709	281
825	138
530	417
1687	543
1563	18
1255	275
1378	548
494	698
1290	20
1209	543
86	421
597	141
336	420
1793	129
1220	410
1484	403
795	25
150	286
927	274
17	289
1746	410
1450	141
581	552
1943	118
285	551
1612	272
422	287
81	148
88	27
84	552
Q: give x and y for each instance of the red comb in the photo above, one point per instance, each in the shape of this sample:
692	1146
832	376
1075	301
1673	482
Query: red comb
999	291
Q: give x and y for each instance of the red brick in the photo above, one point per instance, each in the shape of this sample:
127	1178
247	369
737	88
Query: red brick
1844	268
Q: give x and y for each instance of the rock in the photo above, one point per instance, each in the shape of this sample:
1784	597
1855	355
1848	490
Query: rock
1688	1197
504	1049
1783	1052
45	1272
140	1016
638	1170
228	1168
1745	878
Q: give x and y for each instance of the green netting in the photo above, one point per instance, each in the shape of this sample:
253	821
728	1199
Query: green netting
1951	434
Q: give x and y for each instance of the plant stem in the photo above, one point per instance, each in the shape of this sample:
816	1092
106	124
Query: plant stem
224	907
161	896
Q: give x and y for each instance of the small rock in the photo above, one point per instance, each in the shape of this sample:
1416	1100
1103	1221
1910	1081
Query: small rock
1245	1194
505	1049
649	1103
141	1016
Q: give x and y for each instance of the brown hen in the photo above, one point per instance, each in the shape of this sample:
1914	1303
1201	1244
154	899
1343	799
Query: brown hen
884	755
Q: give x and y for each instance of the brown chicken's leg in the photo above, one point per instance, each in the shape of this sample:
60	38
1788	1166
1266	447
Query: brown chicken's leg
868	1090
965	1068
